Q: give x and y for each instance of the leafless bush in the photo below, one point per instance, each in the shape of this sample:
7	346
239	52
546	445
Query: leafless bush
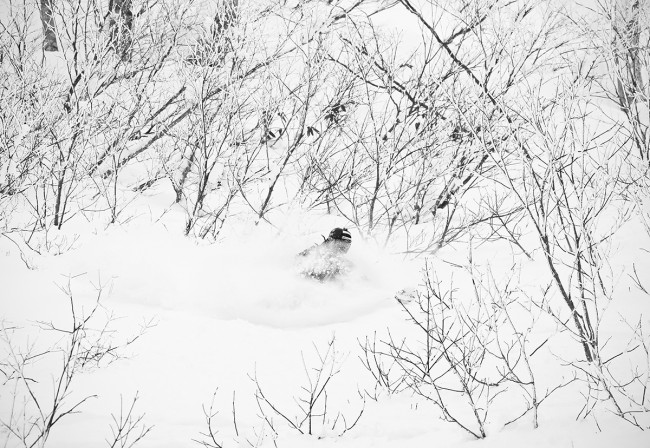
465	350
448	360
415	118
312	416
74	117
617	35
127	428
573	196
33	409
311	413
382	368
209	438
514	351
618	380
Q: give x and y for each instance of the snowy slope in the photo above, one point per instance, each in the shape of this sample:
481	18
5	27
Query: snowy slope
223	314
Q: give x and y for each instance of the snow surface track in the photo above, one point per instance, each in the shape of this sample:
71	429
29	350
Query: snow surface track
254	278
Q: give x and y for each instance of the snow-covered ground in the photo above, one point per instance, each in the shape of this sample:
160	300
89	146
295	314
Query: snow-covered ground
221	324
220	315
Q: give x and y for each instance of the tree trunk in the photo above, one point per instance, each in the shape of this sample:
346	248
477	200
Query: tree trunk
225	17
120	27
47	18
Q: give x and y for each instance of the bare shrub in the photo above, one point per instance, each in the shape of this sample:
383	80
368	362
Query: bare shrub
86	343
312	414
127	428
447	361
464	349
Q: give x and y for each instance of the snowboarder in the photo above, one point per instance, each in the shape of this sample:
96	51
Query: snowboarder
327	261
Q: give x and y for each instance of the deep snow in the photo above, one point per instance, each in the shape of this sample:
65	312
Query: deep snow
221	314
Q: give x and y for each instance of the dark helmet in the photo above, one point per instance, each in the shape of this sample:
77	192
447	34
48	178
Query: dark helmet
341	234
339	240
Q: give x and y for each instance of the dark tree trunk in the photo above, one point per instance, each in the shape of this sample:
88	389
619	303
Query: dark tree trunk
47	18
225	17
120	27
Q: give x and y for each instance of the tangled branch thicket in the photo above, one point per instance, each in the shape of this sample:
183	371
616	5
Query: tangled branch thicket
523	122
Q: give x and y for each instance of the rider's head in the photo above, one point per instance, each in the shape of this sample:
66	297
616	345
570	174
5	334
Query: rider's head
340	238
